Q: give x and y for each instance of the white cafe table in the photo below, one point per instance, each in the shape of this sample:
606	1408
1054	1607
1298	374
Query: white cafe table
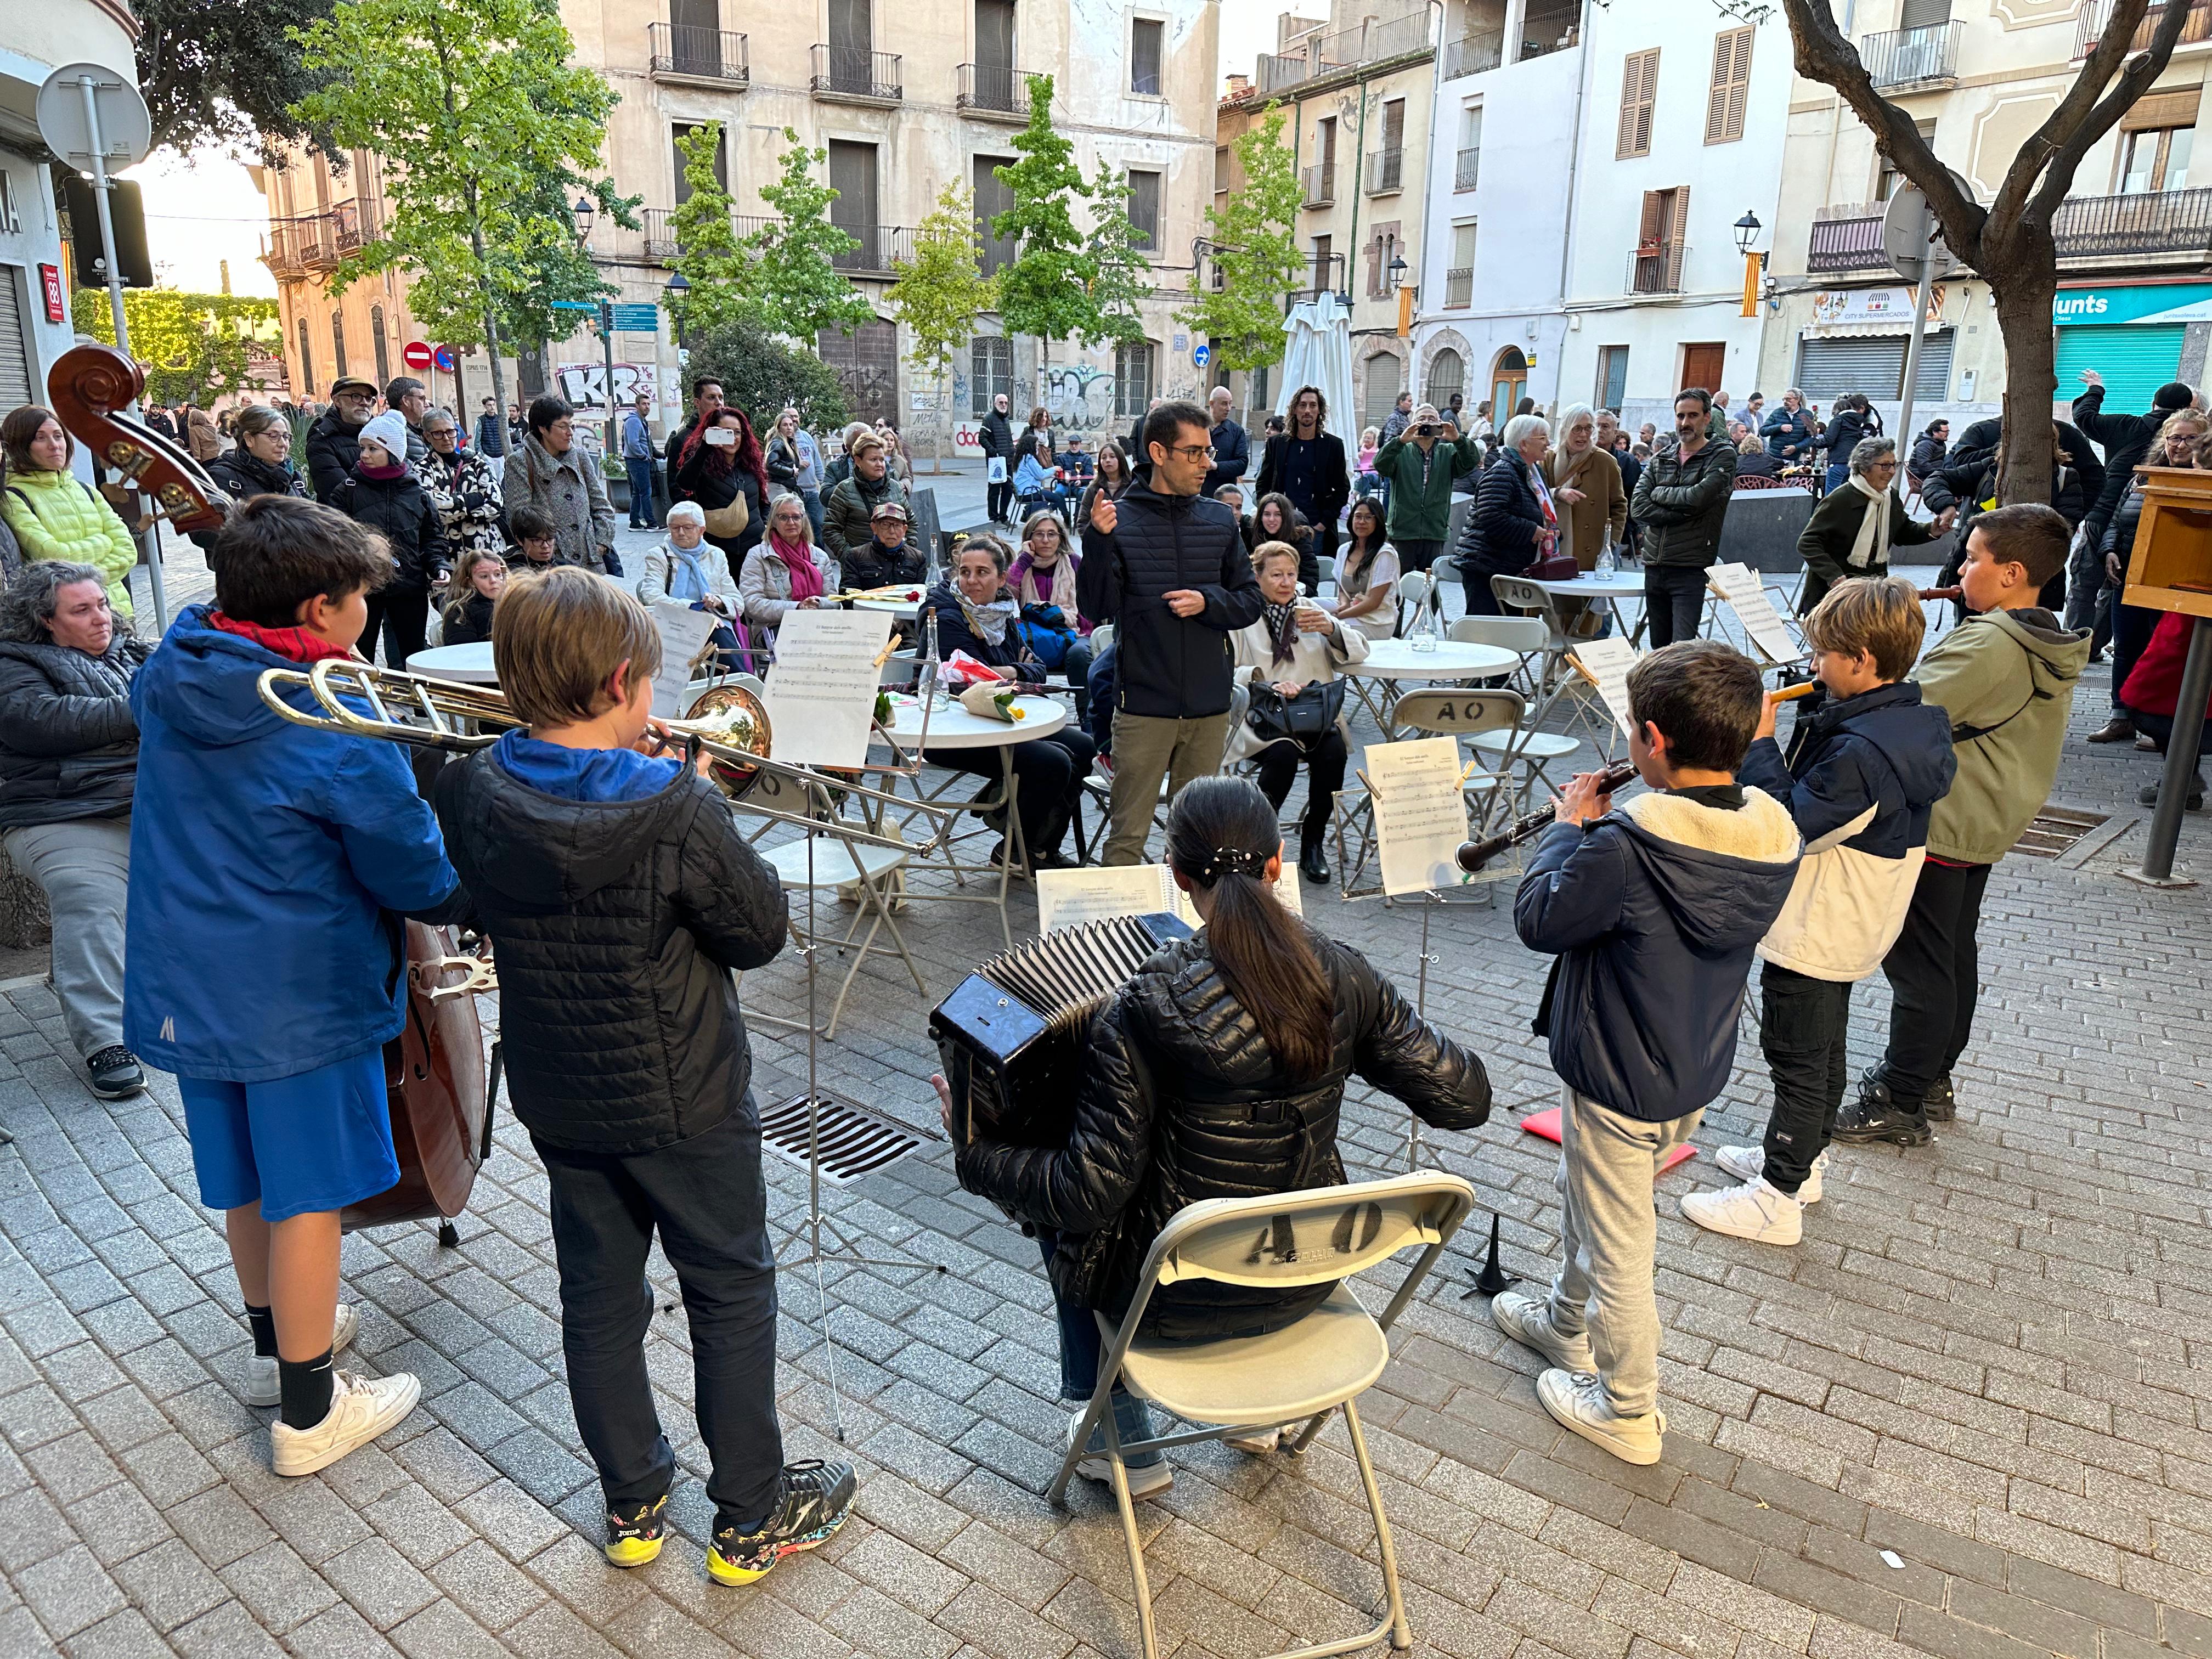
1622	587
1391	661
904	610
469	663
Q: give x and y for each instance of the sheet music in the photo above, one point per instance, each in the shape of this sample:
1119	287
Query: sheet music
1068	898
683	631
1420	812
1738	585
822	697
1608	662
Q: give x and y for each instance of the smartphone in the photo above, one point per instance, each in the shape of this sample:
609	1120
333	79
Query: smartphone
720	436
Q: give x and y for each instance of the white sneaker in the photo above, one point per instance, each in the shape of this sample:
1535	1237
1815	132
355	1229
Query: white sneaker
1153	1477
1578	1403
1754	1211
262	1386
1257	1442
1528	1320
1749	1164
361	1408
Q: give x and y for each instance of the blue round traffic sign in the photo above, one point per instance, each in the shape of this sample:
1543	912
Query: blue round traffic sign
1201	355
442	359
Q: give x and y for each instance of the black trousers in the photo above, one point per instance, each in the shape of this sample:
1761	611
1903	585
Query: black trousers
705	1198
404	620
1935	973
2132	627
1311	553
1418	555
1325	757
1050	773
998	498
1803	1021
1673	602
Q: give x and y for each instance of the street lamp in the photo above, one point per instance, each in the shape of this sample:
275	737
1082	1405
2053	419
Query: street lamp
585	216
1396	271
1746	232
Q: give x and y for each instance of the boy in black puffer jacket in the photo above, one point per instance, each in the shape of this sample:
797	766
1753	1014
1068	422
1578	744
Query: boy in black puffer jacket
620	897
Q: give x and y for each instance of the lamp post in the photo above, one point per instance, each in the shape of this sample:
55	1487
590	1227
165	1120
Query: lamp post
584	217
1748	230
1394	276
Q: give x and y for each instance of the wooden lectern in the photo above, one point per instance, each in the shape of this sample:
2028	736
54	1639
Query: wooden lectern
2171	570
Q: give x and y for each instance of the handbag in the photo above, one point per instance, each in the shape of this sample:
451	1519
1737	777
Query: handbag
1559	568
729	522
1274	718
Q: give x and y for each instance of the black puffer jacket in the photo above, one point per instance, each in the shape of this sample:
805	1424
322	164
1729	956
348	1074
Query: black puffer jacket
333	452
68	747
616	925
1500	538
402	510
242	474
1182	1101
2125	439
1172	667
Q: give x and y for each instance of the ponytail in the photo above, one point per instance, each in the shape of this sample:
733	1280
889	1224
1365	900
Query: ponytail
1221	835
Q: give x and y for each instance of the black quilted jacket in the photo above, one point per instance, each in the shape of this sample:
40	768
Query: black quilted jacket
616	925
1182	1101
68	745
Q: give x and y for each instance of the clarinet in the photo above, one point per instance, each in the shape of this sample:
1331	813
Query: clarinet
1474	854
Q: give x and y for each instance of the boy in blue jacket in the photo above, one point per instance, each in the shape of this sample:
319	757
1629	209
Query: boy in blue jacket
1654	911
263	960
1866	763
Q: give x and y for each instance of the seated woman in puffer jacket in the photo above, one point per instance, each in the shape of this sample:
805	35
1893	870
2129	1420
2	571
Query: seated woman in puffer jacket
1218	1071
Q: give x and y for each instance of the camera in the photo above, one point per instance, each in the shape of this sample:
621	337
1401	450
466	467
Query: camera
1425	430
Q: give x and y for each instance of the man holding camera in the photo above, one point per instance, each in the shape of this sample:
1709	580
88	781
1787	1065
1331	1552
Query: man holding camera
1419	466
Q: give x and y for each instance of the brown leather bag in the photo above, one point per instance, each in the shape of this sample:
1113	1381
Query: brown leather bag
729	522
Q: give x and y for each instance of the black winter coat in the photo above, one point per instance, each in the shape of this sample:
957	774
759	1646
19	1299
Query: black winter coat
2125	439
241	474
402	510
696	482
1232	453
618	925
1182	1100
1171	667
953	635
471	624
68	747
996	436
1846	432
1680	505
1927	455
1500	538
1332	483
333	452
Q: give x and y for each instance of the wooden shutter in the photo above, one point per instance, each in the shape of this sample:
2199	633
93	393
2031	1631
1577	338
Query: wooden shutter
1678	230
1731	86
1639	90
1651	229
2162	109
1394	124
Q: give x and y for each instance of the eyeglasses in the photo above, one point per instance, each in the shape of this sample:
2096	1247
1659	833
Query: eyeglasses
1192	452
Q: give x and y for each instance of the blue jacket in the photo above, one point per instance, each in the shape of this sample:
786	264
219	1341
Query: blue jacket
492	434
1232	453
1861	776
1654	911
265	860
1789	429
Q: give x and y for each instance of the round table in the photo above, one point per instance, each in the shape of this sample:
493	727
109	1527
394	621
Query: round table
1620	585
469	663
1452	660
954	727
904	610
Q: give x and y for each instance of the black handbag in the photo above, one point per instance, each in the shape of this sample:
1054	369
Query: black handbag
1275	718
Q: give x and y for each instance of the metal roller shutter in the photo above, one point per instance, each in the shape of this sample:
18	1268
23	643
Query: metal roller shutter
1933	384
15	342
1829	369
2135	359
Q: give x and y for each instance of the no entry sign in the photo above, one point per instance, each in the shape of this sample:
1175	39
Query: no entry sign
415	355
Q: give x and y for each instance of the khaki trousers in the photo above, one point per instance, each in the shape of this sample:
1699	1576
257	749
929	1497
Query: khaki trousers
1147	748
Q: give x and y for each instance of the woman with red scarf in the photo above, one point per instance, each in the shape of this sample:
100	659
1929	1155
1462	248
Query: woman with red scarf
786	572
722	462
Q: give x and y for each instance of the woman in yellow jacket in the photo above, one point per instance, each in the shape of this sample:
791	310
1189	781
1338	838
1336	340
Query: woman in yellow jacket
54	515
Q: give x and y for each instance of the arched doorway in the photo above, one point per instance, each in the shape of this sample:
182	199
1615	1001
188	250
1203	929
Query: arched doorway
1509	384
1447	378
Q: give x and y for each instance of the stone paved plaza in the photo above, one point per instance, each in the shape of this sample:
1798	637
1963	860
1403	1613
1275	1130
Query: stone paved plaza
1985	1364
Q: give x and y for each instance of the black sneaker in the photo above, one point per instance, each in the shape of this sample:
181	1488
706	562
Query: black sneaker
1941	1105
115	1073
812	1500
633	1532
2195	802
1875	1116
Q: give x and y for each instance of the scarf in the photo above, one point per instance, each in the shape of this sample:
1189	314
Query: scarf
1870	546
799	559
687	577
293	644
381	474
1282	631
987	623
1022	577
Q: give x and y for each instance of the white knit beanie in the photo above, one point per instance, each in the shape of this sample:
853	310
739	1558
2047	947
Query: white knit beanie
390	430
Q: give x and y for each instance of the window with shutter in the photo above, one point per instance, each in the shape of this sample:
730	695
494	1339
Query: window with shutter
1677	231
1725	99
993	197
1145	38
1923	14
15	339
1145	207
683	130
1639	89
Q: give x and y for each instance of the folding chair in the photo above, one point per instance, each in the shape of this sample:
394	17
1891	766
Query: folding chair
1431	711
1416	593
1323	1362
1518	593
1526	636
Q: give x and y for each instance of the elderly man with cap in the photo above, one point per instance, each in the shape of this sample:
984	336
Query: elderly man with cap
334	440
889	554
1418	465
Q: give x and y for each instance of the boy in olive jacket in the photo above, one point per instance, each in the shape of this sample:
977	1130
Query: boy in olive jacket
2006	677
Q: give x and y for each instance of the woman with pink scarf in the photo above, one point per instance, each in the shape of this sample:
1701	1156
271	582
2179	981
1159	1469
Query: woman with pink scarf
786	572
1042	581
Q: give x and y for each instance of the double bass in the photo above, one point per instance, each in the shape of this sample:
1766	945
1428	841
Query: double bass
436	1083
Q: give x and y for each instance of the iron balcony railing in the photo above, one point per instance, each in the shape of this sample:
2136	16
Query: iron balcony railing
1370	42
688	52
1473	54
857	74
1328	272
1656	270
1464	169
880	247
314	239
1321	183
1907	58
1851	244
1386	171
994	89
2154	222
1459	288
347	226
2194	29
660	234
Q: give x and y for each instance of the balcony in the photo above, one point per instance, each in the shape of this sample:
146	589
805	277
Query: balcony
2151	223
1921	59
660	234
1328	272
1321	184
309	242
687	52
853	75
1656	268
353	223
1459	288
2195	29
1386	171
880	247
281	252
994	92
1277	72
1465	168
1471	55
1374	41
1849	243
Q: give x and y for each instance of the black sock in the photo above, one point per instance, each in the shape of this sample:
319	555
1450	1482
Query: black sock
305	1385
262	1323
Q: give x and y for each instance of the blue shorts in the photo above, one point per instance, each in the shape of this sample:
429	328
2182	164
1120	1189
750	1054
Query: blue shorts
317	1140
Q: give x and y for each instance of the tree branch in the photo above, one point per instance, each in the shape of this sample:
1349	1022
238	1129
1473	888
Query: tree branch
2096	119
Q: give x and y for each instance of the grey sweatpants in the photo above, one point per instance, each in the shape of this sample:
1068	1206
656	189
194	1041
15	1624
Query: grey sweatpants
1609	1235
84	865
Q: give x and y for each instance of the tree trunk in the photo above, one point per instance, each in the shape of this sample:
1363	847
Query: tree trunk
937	428
2023	307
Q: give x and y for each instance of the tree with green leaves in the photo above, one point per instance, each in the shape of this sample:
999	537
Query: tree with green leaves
710	255
1239	306
764	375
1045	290
227	73
794	283
194	347
489	130
941	292
1120	276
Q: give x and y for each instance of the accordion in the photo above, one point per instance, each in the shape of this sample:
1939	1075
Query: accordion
1012	1035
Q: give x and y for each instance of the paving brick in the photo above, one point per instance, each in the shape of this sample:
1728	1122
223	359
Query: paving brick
68	1591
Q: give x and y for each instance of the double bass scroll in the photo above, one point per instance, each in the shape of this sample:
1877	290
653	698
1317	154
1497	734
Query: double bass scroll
91	389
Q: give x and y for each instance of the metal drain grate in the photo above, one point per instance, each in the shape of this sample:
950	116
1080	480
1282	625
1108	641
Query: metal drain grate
853	1141
2053	832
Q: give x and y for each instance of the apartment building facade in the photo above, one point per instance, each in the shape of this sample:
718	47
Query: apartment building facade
905	99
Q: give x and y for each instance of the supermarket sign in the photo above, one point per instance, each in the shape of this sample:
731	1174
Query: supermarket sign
2159	302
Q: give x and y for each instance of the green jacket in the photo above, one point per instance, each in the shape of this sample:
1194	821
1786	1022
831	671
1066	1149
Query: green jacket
1421	486
55	516
2006	678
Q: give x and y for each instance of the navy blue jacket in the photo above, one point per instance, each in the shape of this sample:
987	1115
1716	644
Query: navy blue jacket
1172	667
1790	429
1500	538
1232	453
1861	776
1654	911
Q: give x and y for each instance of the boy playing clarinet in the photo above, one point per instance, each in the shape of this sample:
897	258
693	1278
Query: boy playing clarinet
621	897
1653	911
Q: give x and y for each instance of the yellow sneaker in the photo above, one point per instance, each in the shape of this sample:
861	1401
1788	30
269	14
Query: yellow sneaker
812	1500
634	1533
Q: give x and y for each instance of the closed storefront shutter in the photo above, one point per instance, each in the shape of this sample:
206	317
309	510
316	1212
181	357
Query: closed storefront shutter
1933	384
2135	359
15	342
1873	367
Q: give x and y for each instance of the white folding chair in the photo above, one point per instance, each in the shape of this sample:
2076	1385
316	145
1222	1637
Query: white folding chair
1430	712
1416	590
1526	636
1321	1364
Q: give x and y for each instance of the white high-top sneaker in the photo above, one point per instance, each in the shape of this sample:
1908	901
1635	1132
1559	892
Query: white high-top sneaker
1754	1211
1749	1163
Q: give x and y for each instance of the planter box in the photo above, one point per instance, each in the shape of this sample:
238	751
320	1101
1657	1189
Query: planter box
1762	528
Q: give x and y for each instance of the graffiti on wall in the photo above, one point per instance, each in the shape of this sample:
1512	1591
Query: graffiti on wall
1079	396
